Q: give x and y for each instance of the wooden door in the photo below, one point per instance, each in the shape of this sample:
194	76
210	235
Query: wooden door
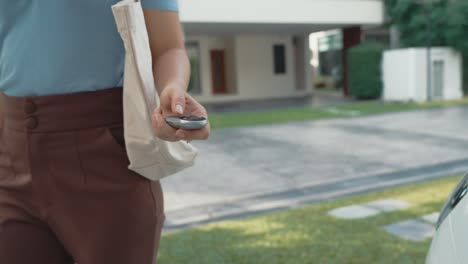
218	74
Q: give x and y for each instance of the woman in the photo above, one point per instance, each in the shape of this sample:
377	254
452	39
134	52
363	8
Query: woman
66	195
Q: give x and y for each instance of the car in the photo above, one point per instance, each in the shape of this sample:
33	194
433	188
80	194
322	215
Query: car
450	241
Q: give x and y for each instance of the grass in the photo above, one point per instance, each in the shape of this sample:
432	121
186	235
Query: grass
308	235
224	120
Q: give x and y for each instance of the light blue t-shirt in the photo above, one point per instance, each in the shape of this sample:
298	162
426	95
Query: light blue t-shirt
61	46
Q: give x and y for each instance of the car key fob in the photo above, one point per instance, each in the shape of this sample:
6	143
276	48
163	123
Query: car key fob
190	122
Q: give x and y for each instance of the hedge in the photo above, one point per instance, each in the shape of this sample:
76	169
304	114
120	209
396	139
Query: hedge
465	74
364	70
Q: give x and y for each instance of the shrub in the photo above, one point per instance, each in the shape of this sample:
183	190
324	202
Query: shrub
457	26
364	70
465	74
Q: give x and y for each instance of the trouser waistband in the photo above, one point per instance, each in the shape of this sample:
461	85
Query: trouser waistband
65	112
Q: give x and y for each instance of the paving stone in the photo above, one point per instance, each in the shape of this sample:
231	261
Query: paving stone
269	205
413	229
431	218
353	212
388	205
170	221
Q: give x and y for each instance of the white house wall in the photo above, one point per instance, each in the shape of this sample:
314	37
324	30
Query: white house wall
452	72
250	68
405	74
206	44
247	31
302	56
345	12
231	65
256	77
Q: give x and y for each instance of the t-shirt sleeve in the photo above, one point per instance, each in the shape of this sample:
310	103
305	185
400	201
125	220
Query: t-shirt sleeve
169	5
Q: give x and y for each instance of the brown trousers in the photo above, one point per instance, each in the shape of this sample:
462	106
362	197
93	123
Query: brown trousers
66	194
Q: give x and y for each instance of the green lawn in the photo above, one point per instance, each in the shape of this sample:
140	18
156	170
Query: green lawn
308	235
223	120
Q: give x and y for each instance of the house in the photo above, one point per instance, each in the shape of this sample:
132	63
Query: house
260	49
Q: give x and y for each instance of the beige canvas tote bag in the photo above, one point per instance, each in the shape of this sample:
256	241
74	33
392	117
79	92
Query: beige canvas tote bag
149	156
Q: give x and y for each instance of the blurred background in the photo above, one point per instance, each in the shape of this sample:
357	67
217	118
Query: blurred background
338	130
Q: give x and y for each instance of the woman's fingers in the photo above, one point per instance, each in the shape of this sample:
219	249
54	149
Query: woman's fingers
164	131
199	134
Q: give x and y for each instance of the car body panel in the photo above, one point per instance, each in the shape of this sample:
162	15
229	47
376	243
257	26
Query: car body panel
442	249
459	224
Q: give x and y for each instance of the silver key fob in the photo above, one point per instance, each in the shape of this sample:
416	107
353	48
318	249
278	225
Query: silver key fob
187	122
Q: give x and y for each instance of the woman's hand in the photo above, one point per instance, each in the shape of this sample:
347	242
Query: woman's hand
175	101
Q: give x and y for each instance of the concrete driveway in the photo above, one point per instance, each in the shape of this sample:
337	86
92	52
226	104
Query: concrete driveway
246	171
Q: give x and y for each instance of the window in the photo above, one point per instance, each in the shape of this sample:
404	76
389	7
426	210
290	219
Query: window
330	54
193	52
279	55
331	42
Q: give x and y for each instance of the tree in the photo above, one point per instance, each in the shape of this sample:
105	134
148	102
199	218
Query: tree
449	19
456	33
411	18
457	25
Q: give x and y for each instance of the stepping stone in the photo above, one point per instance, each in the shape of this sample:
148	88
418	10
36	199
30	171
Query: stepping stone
431	218
353	212
414	230
389	205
